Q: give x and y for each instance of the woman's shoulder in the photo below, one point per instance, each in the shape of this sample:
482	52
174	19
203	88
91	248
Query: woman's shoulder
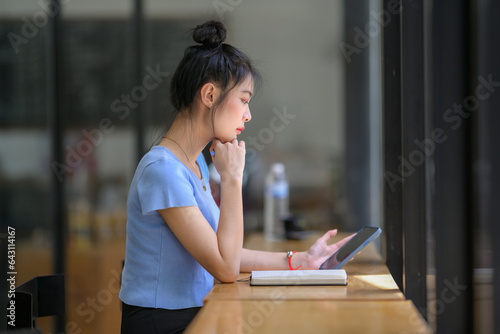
160	159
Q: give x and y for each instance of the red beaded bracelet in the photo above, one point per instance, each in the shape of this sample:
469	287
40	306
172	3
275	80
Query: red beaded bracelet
290	254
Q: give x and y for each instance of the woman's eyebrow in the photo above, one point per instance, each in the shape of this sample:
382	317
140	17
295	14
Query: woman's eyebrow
249	92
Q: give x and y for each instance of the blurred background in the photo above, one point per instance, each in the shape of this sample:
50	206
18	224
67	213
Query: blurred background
108	117
298	114
83	97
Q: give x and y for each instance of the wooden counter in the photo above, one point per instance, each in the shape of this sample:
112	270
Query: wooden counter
370	303
359	287
368	278
293	316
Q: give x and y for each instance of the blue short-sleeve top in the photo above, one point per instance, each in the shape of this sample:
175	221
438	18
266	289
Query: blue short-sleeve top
159	272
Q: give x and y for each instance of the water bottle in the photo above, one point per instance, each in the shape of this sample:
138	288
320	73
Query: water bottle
276	202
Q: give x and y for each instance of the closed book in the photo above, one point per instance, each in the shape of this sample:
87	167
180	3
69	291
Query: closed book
299	277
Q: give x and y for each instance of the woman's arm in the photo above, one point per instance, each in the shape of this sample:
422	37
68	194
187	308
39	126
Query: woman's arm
219	253
260	260
310	259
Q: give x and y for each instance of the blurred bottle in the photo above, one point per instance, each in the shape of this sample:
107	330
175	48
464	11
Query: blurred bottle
276	202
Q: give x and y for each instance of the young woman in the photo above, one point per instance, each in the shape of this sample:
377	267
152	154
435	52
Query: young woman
178	239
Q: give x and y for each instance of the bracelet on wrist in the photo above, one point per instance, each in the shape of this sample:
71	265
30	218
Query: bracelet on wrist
289	254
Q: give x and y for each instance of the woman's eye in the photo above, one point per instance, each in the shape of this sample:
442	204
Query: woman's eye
245	101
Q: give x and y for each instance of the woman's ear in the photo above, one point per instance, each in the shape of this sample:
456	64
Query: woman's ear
209	94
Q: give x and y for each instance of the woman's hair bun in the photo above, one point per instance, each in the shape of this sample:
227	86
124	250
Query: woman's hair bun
210	34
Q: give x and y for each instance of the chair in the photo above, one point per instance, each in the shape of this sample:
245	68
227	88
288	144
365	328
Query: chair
39	297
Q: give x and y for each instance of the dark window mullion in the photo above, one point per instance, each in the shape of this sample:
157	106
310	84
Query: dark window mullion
391	111
452	202
413	160
491	114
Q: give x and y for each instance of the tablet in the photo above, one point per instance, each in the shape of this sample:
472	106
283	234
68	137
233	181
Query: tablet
351	248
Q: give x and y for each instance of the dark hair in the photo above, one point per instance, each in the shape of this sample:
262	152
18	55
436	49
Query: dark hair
211	61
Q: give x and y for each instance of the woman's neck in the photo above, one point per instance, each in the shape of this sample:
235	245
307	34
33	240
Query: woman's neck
188	136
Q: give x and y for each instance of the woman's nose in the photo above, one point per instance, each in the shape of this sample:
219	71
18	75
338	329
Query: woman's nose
247	116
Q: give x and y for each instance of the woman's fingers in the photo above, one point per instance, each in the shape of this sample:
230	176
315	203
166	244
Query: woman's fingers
228	157
342	242
328	235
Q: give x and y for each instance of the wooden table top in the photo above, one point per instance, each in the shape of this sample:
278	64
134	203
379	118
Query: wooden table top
359	287
368	279
293	316
370	303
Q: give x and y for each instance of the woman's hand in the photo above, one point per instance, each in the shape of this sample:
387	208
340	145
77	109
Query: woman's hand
228	158
320	251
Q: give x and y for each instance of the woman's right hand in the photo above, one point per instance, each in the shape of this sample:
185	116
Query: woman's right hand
228	158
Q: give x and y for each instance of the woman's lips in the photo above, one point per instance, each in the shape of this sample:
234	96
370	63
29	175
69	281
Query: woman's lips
240	130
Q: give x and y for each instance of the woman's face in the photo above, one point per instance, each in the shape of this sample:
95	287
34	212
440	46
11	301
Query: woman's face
230	119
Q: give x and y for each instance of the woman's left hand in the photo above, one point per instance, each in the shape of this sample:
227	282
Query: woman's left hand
320	251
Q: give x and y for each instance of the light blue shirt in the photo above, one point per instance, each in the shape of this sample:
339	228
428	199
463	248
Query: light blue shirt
159	272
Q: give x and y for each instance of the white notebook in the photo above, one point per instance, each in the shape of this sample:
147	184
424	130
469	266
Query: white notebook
299	277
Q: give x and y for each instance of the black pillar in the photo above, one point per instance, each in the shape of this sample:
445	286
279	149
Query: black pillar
357	113
56	125
139	47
